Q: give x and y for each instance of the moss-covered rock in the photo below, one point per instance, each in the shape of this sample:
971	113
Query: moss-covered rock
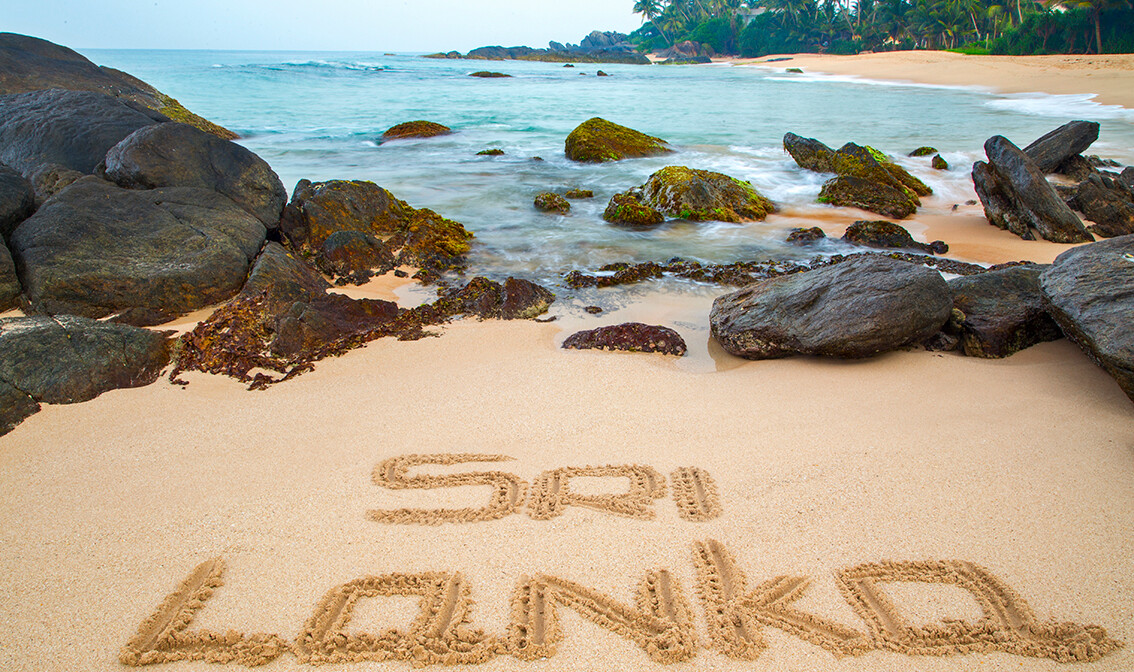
888	235
490	152
857	192
800	236
597	140
702	196
809	153
550	202
415	129
627	209
579	193
868	163
486	74
939	163
923	151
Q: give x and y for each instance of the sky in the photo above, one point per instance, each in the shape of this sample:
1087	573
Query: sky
324	25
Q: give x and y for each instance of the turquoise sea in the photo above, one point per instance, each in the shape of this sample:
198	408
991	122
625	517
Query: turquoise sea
319	115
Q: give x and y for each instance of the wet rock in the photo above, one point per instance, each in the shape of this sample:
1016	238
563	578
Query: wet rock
627	209
1061	144
516	299
702	195
1003	311
579	193
432	243
67	359
1108	203
9	283
524	300
549	202
939	163
1017	197
415	129
17	200
1077	168
630	337
1088	292
593	310
597	140
796	71
861	307
868	163
485	74
72	129
490	152
882	234
354	257
857	192
600	73
809	153
923	151
178	155
282	279
799	236
96	249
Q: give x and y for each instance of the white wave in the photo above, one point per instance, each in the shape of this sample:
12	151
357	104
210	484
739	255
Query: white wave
1063	106
813	77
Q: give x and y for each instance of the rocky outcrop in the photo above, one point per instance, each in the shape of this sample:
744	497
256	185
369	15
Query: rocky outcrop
627	209
856	192
888	235
95	249
1088	292
809	153
861	307
629	337
1003	311
67	359
178	155
72	129
702	195
17	200
1108	202
415	129
1017	197
1065	142
551	202
32	64
597	140
597	47
9	283
354	257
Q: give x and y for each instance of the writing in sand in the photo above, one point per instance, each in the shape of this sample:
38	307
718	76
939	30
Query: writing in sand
661	619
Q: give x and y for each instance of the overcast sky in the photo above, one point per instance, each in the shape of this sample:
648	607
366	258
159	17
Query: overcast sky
347	25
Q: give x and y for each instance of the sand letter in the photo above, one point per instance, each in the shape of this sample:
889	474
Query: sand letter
507	489
551	493
735	615
162	637
695	493
1007	624
439	635
660	622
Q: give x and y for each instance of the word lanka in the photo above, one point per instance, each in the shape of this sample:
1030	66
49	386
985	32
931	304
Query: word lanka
660	620
694	491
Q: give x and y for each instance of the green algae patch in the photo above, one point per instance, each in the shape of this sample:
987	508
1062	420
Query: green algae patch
627	209
416	129
551	202
597	140
177	112
704	196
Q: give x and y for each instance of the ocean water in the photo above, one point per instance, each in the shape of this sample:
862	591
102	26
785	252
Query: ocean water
320	115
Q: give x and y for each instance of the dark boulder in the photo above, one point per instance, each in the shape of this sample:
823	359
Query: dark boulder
702	195
550	202
799	236
809	153
516	299
491	152
318	209
1003	311
868	163
282	279
73	129
178	155
95	249
856	192
485	74
524	300
627	209
17	200
9	283
630	337
597	140
1068	140
1017	197
861	307
415	129
1088	290
354	257
67	359
50	179
888	235
1077	168
1127	176
1108	203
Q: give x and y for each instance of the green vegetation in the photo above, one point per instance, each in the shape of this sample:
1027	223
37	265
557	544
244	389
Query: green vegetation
756	28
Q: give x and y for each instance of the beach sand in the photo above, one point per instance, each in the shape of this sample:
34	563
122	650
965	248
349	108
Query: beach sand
806	468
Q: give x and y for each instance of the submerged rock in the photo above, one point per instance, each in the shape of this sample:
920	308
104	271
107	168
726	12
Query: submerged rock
1108	203
1088	292
95	249
861	307
17	200
939	163
67	359
1003	311
415	129
888	235
702	195
629	337
490	152
579	193
550	202
178	155
485	74
627	209
1070	139
597	140
856	192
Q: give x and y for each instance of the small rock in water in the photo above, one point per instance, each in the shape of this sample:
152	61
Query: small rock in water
923	151
580	193
490	152
416	129
631	337
939	163
600	73
593	310
799	236
549	202
489	75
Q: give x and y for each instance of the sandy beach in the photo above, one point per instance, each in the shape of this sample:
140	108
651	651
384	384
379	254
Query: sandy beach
914	511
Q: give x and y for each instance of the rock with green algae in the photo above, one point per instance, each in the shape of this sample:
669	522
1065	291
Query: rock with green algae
551	202
627	209
809	153
857	192
628	337
923	151
354	257
597	140
579	193
888	235
490	152
939	163
702	196
415	129
802	236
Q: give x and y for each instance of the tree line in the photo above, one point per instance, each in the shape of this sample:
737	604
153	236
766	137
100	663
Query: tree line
755	28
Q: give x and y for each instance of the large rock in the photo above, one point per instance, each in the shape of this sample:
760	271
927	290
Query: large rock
178	155
702	195
1070	139
67	359
1089	290
856	192
415	129
1107	202
96	249
629	337
17	200
354	257
888	235
1127	176
1003	311
9	282
1017	197
32	64
809	153
857	161
861	307
73	129
597	140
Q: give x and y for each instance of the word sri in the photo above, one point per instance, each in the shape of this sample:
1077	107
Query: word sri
660	621
694	491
